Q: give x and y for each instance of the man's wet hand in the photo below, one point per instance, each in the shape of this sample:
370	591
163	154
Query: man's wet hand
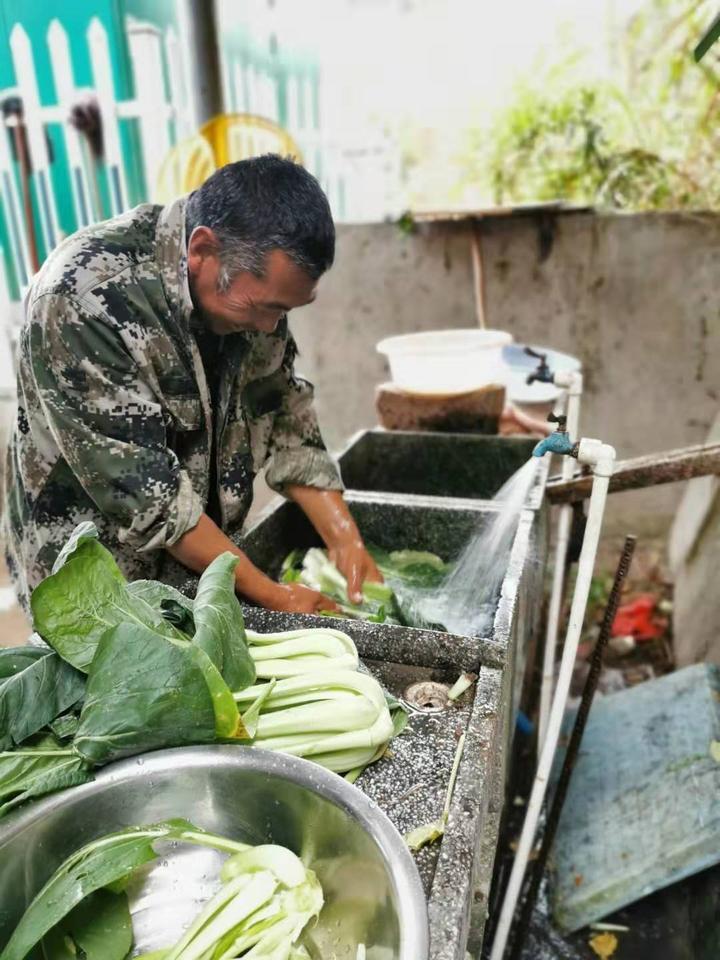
295	598
356	565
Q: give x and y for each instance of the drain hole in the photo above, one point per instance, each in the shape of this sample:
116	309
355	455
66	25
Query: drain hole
427	696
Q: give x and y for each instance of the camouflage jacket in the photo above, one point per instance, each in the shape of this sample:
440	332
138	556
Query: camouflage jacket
115	419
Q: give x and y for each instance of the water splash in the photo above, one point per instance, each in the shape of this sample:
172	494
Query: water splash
465	602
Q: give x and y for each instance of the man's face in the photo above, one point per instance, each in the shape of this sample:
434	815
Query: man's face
250	302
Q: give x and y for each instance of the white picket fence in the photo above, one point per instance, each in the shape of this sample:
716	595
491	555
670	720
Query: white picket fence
162	110
162	116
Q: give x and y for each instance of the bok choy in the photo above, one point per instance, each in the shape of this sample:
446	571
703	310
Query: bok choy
138	666
266	899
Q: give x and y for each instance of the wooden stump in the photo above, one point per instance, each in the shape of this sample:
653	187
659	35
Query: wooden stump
475	412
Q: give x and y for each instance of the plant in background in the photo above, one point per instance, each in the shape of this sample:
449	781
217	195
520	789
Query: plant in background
647	141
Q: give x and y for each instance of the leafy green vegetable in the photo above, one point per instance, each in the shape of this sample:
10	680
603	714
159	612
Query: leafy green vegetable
228	724
339	718
409	576
219	626
37	686
175	607
65	727
214	618
144	692
14	660
84	597
91	868
37	770
266	899
98	928
319	573
417	567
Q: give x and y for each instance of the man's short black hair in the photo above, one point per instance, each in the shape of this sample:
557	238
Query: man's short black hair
263	204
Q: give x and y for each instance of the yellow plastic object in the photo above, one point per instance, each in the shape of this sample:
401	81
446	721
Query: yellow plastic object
237	136
224	139
187	165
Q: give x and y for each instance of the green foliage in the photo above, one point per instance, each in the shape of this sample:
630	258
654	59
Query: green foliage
84	597
39	769
143	693
36	686
99	928
648	141
98	865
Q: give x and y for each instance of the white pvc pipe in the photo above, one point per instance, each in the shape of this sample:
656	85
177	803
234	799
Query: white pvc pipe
574	384
602	458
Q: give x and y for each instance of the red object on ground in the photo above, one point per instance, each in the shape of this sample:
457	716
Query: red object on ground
636	619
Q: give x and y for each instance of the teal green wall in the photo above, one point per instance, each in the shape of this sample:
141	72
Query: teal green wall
75	17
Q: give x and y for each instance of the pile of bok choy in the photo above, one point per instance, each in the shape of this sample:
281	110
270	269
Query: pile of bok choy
266	899
132	667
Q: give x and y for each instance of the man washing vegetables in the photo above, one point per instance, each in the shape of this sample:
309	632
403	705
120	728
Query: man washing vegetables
156	379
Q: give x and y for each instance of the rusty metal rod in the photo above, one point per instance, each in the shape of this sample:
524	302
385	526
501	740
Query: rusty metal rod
573	749
650	470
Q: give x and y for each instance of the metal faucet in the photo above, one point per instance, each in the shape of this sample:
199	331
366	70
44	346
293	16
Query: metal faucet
543	373
558	442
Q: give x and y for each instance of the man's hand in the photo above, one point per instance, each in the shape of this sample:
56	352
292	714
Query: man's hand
329	514
355	564
295	598
199	547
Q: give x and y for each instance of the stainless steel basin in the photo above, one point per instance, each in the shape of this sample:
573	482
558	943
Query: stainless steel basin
373	893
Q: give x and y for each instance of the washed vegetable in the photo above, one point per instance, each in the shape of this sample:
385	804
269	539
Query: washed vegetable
294	652
35	687
266	899
84	596
339	718
410	576
39	769
137	667
316	571
98	928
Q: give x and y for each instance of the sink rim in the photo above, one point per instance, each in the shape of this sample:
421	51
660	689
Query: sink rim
404	875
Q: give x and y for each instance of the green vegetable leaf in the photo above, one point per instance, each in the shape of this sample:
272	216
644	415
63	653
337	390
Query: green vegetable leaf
144	692
84	532
175	607
65	727
179	616
91	868
35	771
98	928
16	659
84	597
228	723
219	625
39	690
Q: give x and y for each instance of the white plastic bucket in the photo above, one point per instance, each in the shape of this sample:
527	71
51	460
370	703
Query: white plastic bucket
446	361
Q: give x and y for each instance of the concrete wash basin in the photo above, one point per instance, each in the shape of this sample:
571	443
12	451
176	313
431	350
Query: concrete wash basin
468	466
373	894
410	784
